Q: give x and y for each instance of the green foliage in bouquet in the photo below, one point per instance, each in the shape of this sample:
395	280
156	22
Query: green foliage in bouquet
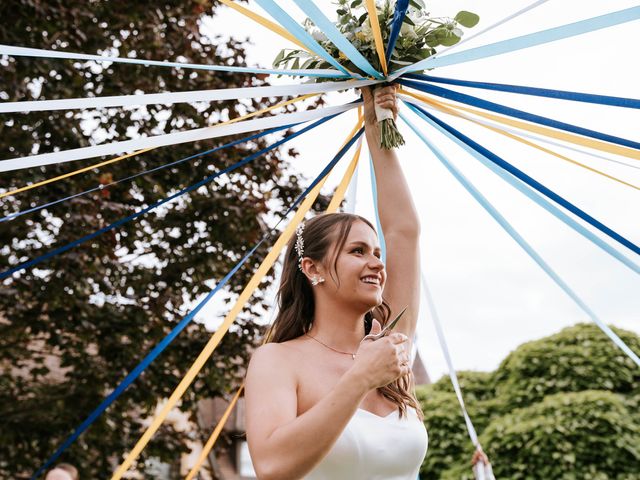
418	38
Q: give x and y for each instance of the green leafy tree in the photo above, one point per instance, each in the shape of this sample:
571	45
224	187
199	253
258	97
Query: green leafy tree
72	328
564	407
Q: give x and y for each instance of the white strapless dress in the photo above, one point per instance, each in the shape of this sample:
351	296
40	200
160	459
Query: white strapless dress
376	448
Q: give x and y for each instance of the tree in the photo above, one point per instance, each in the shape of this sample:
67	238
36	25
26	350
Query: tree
101	306
564	407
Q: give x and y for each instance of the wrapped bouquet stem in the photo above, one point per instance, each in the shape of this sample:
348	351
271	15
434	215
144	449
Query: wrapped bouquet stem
390	136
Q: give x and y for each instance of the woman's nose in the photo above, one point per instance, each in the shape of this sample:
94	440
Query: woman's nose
376	263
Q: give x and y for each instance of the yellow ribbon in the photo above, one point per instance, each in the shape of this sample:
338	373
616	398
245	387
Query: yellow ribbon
213	342
274	27
338	196
452	110
214	436
377	33
138	152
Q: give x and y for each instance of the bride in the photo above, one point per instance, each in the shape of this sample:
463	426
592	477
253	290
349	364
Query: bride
323	399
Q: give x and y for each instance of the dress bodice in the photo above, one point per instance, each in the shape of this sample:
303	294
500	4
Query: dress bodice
372	447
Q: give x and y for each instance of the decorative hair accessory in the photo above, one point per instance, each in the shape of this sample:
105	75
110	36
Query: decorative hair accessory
300	243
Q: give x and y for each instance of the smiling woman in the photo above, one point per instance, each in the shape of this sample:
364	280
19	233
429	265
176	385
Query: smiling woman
325	400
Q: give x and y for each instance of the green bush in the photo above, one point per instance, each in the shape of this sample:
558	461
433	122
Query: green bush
584	435
563	407
578	358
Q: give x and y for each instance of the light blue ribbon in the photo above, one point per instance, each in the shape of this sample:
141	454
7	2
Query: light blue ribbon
333	34
515	235
526	41
447	356
374	195
39	53
299	32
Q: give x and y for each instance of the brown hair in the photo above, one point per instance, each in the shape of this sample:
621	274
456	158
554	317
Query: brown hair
296	302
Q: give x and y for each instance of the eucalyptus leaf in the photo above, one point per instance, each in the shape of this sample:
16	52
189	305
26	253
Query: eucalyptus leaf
467	19
449	40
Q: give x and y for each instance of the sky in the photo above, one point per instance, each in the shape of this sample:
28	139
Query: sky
490	296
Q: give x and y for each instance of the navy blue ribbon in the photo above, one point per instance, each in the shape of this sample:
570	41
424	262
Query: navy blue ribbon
538	92
396	24
135	373
514	112
131	177
533	183
139	213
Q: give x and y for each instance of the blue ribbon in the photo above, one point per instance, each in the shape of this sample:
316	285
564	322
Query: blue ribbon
475	193
131	177
533	195
526	41
135	373
139	213
396	24
533	183
538	92
299	32
333	34
514	112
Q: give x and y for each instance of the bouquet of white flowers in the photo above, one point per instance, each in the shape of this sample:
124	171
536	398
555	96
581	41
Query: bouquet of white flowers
418	38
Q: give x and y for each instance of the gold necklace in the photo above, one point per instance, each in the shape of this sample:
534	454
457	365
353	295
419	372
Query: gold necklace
353	355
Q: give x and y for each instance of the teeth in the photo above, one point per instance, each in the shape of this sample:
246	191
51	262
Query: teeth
370	280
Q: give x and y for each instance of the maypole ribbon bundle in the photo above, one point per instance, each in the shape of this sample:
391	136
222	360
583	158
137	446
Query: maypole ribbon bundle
370	43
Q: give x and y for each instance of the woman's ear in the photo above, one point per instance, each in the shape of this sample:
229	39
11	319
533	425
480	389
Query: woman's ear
311	268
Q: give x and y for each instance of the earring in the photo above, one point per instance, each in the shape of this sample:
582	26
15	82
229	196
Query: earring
316	280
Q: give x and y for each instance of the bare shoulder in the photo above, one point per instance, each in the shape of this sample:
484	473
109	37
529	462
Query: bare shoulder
273	357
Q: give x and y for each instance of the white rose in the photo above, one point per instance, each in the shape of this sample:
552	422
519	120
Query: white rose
366	28
319	36
408	31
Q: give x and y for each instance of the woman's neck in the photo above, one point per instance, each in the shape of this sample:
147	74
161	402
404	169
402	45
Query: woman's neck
339	327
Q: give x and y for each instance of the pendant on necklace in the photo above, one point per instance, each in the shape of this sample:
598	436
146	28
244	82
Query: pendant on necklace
353	355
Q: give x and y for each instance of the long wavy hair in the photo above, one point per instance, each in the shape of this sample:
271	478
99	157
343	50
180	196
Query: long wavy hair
323	235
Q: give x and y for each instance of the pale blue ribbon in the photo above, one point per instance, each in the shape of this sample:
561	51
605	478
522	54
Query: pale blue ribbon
333	34
514	234
447	356
526	41
299	32
374	195
39	53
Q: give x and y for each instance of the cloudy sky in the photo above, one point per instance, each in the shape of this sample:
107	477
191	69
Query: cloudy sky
490	295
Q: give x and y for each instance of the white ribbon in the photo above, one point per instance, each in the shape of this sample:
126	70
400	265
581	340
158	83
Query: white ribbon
495	25
181	97
171	138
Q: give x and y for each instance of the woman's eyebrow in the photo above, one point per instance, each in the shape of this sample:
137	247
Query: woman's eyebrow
359	242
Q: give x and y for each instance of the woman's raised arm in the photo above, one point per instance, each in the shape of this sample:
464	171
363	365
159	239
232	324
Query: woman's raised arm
398	218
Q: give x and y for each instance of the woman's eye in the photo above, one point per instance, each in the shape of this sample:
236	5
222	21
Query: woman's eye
358	250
